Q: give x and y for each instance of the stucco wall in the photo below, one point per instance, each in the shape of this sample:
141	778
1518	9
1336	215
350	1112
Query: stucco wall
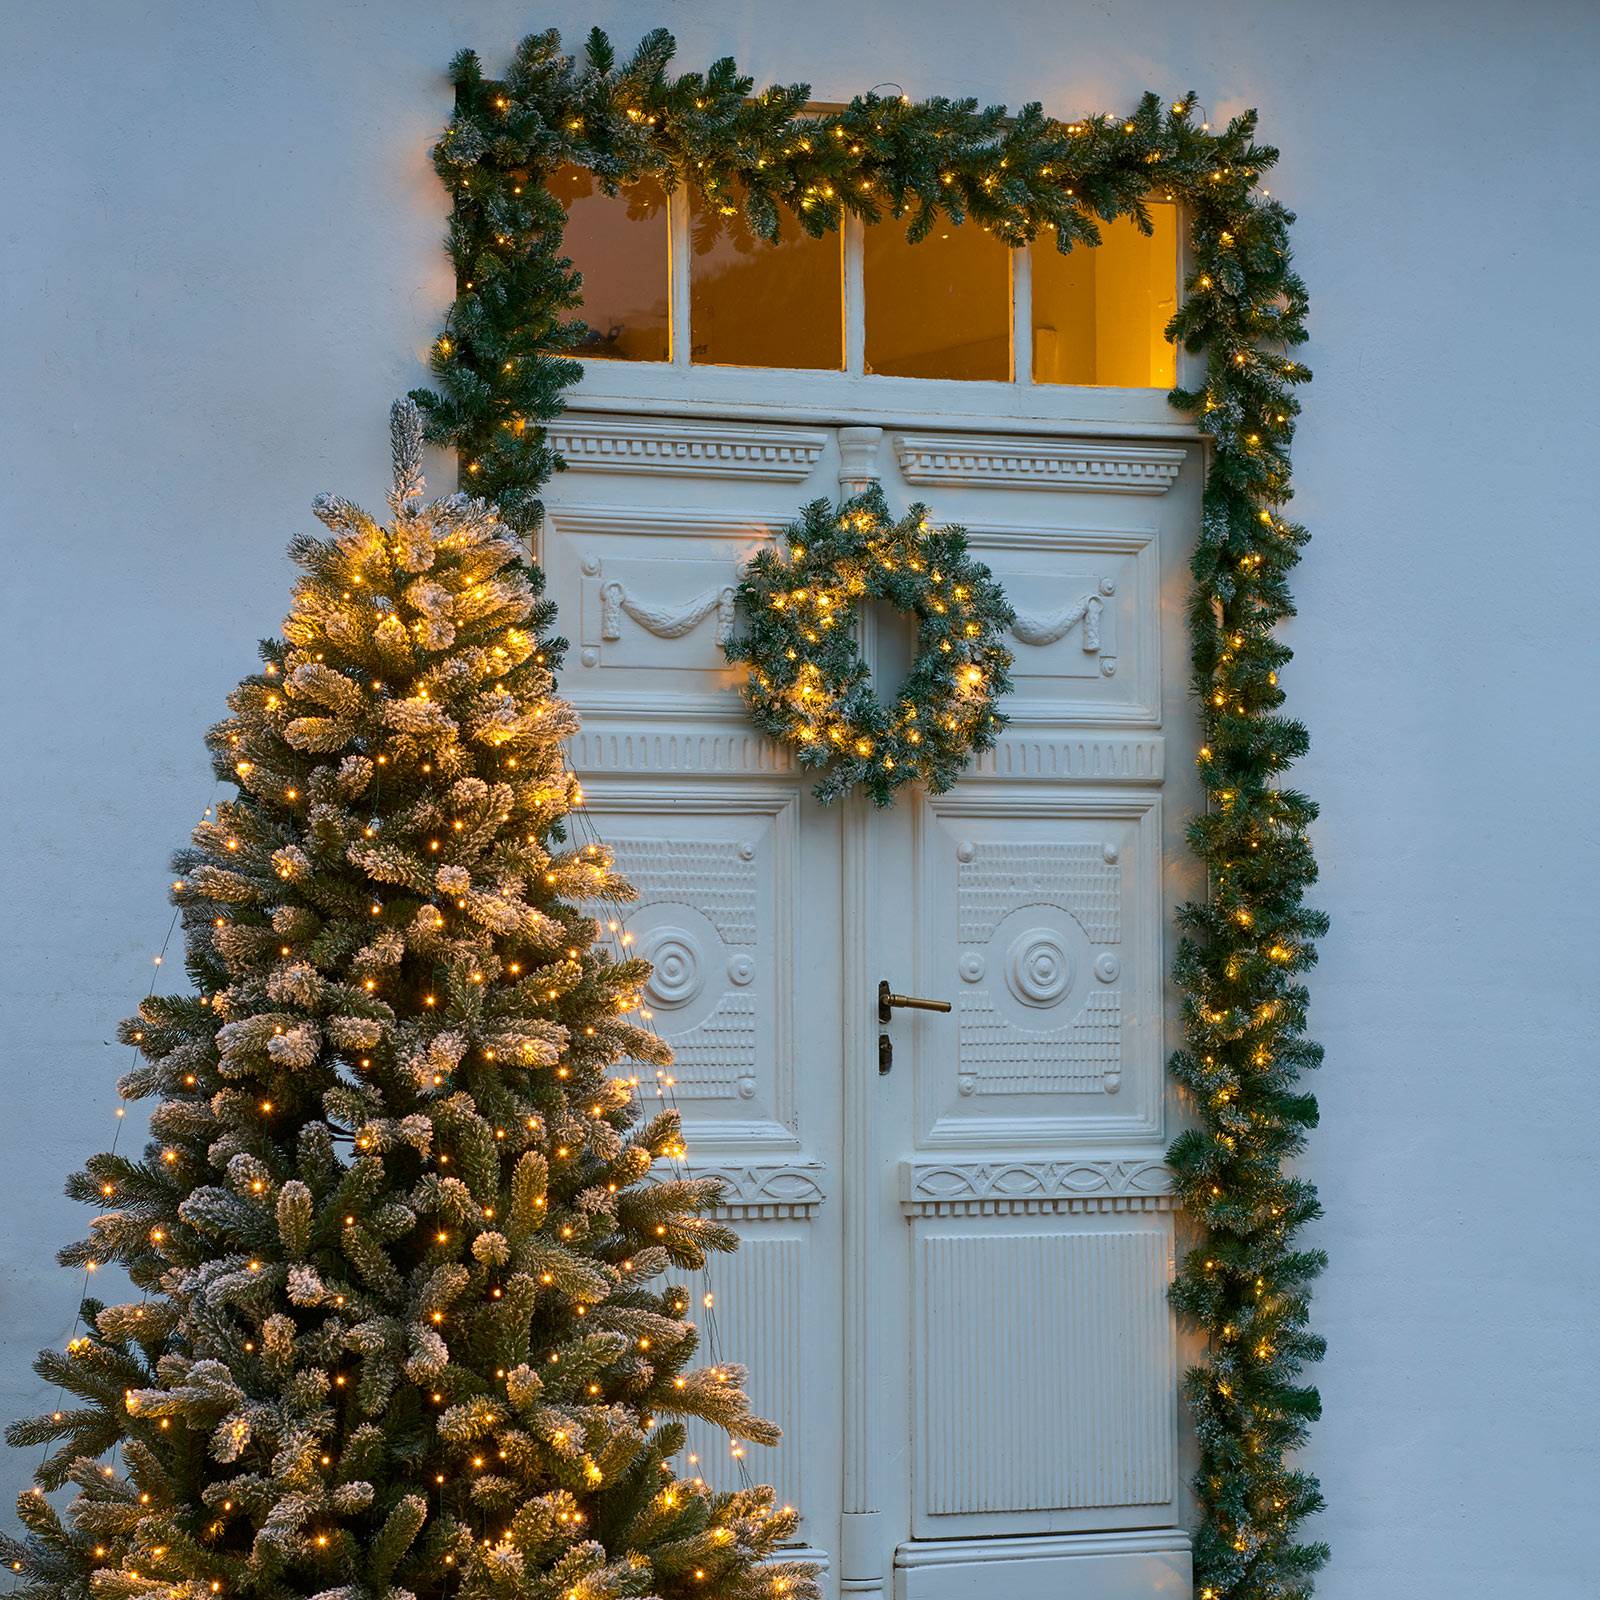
220	262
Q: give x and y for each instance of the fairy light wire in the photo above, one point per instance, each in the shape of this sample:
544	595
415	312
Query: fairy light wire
612	928
120	1117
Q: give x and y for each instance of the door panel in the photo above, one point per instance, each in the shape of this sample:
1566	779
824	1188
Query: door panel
737	907
1086	636
762	1299
648	591
1044	1378
1044	925
714	917
1034	1219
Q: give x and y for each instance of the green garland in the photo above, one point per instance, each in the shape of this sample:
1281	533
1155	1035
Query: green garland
808	686
501	371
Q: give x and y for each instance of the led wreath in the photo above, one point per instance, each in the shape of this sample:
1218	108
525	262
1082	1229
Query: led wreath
808	686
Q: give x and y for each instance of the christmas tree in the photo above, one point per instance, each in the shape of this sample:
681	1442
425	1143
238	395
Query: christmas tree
405	1324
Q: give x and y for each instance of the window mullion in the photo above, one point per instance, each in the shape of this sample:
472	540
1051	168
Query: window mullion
678	275
855	296
1022	316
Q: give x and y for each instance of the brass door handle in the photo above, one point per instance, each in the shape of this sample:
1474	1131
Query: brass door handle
888	1000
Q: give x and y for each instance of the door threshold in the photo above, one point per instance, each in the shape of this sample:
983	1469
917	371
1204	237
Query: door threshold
1136	1564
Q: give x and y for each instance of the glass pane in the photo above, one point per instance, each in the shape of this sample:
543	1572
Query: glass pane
941	308
619	244
754	304
1100	312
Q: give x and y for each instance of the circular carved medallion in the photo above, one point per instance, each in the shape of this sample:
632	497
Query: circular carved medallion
676	975
1038	967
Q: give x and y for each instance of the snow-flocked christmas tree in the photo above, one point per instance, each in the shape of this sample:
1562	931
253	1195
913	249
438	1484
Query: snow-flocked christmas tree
404	1248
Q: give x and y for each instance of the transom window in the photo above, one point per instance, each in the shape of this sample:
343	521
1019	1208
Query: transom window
682	279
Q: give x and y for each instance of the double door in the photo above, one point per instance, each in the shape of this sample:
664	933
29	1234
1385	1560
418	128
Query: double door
956	1228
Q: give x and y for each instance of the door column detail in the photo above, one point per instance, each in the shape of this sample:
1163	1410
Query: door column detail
865	1552
858	458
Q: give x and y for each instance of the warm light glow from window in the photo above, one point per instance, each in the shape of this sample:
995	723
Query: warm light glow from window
1100	312
620	245
940	308
754	304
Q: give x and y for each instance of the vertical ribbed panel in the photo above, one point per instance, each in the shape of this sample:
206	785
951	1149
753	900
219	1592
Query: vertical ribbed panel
759	1317
1047	1372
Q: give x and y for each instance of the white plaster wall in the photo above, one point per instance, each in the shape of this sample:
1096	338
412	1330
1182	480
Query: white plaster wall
220	261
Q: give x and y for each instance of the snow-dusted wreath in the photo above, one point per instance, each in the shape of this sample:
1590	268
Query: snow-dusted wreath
808	685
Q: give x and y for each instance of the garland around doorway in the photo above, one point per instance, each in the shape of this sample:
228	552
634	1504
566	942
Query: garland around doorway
501	365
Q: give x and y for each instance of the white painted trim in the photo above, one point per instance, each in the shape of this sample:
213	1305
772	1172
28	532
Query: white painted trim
1063	758
1015	1184
863	1549
855	296
1144	1564
699	450
766	1190
1053	1546
678	304
697	736
1089	539
858	458
999	461
672	522
800	1552
728	752
1022	318
828	399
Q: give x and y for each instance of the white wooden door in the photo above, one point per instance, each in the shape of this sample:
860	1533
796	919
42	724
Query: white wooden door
951	1288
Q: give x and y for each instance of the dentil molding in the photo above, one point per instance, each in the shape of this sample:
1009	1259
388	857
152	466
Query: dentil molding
698	449
996	461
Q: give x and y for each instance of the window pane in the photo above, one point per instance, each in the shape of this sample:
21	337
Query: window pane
1100	312
941	308
754	304
619	244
